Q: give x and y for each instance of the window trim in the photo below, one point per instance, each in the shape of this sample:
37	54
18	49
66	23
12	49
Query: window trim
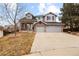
48	18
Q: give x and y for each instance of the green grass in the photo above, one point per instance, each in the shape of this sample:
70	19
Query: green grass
16	46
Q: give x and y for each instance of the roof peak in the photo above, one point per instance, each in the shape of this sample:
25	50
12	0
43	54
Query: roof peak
50	13
28	12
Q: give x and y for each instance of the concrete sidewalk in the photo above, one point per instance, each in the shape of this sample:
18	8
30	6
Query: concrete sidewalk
49	44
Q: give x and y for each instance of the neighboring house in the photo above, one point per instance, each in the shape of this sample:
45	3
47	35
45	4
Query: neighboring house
10	28
41	23
1	31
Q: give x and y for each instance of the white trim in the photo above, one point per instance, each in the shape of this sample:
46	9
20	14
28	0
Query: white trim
38	22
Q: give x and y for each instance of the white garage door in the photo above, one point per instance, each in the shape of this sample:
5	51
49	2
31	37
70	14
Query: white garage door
53	29
40	29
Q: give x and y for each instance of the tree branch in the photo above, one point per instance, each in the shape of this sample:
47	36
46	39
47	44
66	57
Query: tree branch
8	13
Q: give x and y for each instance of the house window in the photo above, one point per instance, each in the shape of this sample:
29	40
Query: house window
53	17
48	17
29	16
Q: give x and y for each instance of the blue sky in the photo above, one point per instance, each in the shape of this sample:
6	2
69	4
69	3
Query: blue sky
34	8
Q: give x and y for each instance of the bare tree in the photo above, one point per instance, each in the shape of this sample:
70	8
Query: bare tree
0	19
12	15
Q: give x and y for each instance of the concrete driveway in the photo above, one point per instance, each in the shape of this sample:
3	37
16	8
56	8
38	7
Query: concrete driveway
55	44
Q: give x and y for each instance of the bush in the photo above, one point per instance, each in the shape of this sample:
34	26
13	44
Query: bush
6	33
66	30
71	30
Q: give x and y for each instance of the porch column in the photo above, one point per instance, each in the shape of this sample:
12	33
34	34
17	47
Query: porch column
21	26
25	26
30	27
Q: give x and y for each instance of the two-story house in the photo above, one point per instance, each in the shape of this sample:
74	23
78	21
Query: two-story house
41	23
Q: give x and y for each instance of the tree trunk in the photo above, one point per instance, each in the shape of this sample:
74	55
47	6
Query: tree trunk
15	29
15	20
71	26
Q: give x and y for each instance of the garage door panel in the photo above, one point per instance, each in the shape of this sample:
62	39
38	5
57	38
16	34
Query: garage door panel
40	29
53	29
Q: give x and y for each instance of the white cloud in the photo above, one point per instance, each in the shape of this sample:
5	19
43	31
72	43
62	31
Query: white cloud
32	7
49	7
42	7
53	9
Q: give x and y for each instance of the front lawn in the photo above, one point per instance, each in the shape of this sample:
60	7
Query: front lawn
16	46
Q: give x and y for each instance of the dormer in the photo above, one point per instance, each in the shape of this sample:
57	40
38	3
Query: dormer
50	17
29	16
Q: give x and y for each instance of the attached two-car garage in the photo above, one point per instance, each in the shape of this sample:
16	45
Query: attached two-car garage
49	29
43	27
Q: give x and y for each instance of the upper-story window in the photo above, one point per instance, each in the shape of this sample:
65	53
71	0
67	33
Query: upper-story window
48	18
53	17
29	16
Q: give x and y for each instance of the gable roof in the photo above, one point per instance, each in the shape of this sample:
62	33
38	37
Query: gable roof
30	14
25	20
50	13
39	22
